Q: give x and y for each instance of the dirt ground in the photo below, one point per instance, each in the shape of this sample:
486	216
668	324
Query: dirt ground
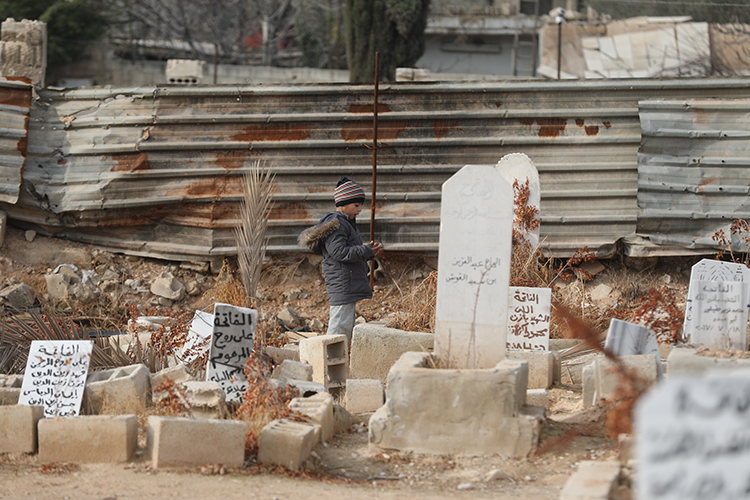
347	466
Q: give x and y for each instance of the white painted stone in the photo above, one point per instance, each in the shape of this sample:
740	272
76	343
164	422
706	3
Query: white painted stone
528	318
627	339
232	342
55	376
476	221
519	167
692	438
198	339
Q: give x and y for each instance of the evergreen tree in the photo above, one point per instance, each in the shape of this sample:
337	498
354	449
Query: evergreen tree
395	28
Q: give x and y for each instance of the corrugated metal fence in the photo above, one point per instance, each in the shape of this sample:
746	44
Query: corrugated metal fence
157	170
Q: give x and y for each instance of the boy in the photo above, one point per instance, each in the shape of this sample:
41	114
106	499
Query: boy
345	257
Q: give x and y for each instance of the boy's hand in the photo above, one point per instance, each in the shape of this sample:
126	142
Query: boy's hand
377	248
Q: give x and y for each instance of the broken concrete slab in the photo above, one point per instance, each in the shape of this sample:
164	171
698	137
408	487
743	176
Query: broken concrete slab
279	354
15	294
541	367
485	414
375	348
286	443
591	481
363	395
538	397
205	399
89	439
117	391
191	442
10	389
167	286
607	379
571	371
319	408
18	428
686	361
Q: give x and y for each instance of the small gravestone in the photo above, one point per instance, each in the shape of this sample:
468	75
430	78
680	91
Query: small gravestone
55	376
198	336
519	167
628	339
693	439
528	318
476	221
232	342
717	305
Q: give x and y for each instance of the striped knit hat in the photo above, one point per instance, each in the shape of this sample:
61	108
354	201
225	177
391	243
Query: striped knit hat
347	191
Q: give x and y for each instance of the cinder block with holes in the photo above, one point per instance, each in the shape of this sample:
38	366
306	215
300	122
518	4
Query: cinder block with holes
286	443
89	439
329	357
18	424
320	410
119	391
191	442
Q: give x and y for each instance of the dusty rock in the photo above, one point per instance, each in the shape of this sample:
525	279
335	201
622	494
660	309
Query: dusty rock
16	294
192	288
165	285
30	235
289	317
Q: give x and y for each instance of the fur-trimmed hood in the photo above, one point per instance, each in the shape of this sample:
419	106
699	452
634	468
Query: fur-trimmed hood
312	237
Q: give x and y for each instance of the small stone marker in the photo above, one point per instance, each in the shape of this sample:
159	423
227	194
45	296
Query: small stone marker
476	221
528	320
55	376
518	166
716	313
693	439
232	342
628	339
198	336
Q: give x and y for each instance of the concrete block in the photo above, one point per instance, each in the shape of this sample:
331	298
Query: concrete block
319	408
293	370
329	357
90	439
589	385
363	395
685	361
571	371
177	374
117	391
556	366
205	399
286	443
538	397
376	348
483	415
562	344
10	389
303	387
541	367
607	379
191	442
279	354
592	481
18	425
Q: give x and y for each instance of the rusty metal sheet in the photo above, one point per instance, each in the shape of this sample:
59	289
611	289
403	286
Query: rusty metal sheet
157	170
15	103
693	171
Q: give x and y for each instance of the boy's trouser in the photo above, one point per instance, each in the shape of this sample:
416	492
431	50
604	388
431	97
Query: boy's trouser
341	320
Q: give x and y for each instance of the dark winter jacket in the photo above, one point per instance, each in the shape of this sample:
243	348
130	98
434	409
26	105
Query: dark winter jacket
337	238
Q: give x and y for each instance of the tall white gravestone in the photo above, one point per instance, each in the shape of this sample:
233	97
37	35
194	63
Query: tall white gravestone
55	376
717	308
476	221
693	439
232	342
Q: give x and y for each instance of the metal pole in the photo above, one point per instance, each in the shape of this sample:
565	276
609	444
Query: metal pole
374	165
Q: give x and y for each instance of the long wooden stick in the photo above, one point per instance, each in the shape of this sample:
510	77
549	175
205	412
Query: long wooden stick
374	165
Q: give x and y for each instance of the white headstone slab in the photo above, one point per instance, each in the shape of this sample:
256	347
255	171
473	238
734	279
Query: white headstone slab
717	314
232	342
55	376
518	166
476	220
198	336
693	439
628	339
711	270
528	318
